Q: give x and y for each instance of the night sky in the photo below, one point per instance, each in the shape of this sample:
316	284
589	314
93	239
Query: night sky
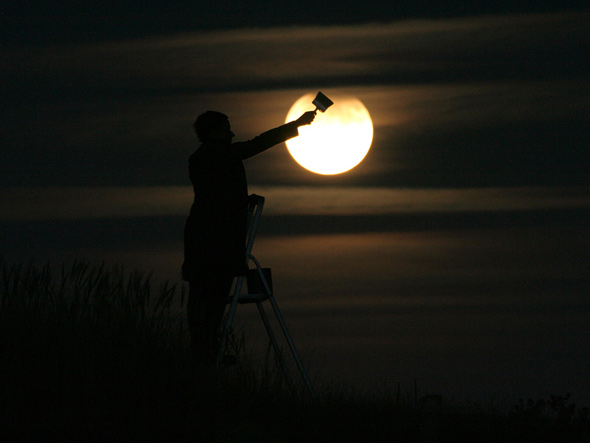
38	22
458	247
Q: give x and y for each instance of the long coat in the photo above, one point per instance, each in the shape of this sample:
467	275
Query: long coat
215	231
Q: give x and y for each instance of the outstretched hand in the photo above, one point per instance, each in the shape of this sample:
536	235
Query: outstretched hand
306	118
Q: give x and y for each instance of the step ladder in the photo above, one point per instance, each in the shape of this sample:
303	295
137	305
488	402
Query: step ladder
259	285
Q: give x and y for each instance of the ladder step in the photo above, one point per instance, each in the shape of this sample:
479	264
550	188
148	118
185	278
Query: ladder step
250	298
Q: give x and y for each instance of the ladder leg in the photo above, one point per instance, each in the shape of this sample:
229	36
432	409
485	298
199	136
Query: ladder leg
229	320
302	370
286	333
275	345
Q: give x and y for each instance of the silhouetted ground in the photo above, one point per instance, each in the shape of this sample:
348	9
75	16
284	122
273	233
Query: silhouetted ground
93	355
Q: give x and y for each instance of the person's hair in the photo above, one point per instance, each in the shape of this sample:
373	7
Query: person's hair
207	123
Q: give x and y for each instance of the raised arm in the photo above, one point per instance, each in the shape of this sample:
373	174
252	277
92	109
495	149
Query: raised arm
272	138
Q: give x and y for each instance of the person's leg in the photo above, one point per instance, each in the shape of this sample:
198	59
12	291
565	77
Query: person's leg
218	303
196	313
206	305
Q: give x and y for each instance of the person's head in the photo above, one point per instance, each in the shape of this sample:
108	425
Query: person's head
213	126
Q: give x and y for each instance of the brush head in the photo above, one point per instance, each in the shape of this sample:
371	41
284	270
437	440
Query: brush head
322	102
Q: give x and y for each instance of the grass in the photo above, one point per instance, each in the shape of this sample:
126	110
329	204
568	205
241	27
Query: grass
90	353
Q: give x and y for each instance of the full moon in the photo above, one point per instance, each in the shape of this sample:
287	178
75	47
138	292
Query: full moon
337	140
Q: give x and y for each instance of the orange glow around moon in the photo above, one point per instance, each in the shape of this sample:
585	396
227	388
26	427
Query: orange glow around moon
337	140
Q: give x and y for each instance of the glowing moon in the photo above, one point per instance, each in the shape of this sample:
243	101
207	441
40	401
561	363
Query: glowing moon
337	140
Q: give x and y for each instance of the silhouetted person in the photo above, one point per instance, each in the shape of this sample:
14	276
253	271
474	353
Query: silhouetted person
215	231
